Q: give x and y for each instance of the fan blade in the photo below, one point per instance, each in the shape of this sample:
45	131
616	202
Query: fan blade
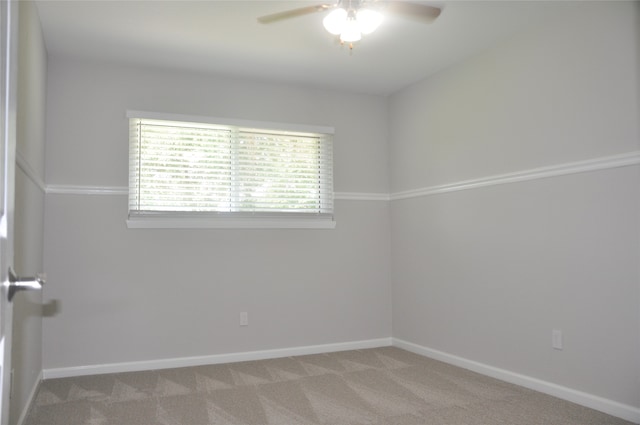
293	13
422	12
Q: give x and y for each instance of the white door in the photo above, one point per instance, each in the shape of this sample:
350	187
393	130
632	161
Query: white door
10	283
8	23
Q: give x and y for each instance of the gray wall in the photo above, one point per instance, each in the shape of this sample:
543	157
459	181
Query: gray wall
29	204
138	294
486	274
483	274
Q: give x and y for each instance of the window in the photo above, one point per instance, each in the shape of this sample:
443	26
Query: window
201	172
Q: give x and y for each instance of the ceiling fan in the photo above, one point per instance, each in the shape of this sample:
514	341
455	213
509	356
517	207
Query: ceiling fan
350	19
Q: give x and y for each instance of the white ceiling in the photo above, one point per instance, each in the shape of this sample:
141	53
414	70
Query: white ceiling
224	37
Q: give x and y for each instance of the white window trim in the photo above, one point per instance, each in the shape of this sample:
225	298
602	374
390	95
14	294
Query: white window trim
166	221
225	220
266	125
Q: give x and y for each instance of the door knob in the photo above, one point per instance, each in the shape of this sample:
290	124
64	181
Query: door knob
24	283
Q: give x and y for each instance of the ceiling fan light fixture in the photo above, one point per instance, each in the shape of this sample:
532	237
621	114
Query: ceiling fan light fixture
335	21
368	20
350	34
350	19
351	31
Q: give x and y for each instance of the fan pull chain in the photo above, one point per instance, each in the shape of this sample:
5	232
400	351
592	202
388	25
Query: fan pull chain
350	45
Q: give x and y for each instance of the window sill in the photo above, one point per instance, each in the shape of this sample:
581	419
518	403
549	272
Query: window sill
229	223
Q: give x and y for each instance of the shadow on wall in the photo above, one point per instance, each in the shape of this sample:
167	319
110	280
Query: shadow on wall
48	309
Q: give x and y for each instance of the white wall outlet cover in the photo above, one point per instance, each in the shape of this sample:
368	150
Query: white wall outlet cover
556	339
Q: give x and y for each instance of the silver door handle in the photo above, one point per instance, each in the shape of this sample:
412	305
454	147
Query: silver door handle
24	283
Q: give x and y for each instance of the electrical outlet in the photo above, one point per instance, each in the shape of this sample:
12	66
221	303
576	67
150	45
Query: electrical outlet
556	339
244	318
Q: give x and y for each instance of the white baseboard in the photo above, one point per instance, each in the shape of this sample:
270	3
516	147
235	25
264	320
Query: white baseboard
610	407
624	411
30	399
65	372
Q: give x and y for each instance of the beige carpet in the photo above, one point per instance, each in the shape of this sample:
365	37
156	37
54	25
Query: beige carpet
382	386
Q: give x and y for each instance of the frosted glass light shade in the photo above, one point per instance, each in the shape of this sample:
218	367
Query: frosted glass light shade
335	21
351	31
368	20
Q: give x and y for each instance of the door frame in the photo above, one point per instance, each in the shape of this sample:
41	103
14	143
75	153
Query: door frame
8	98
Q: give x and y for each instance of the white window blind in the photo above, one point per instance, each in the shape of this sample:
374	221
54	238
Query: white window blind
227	175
